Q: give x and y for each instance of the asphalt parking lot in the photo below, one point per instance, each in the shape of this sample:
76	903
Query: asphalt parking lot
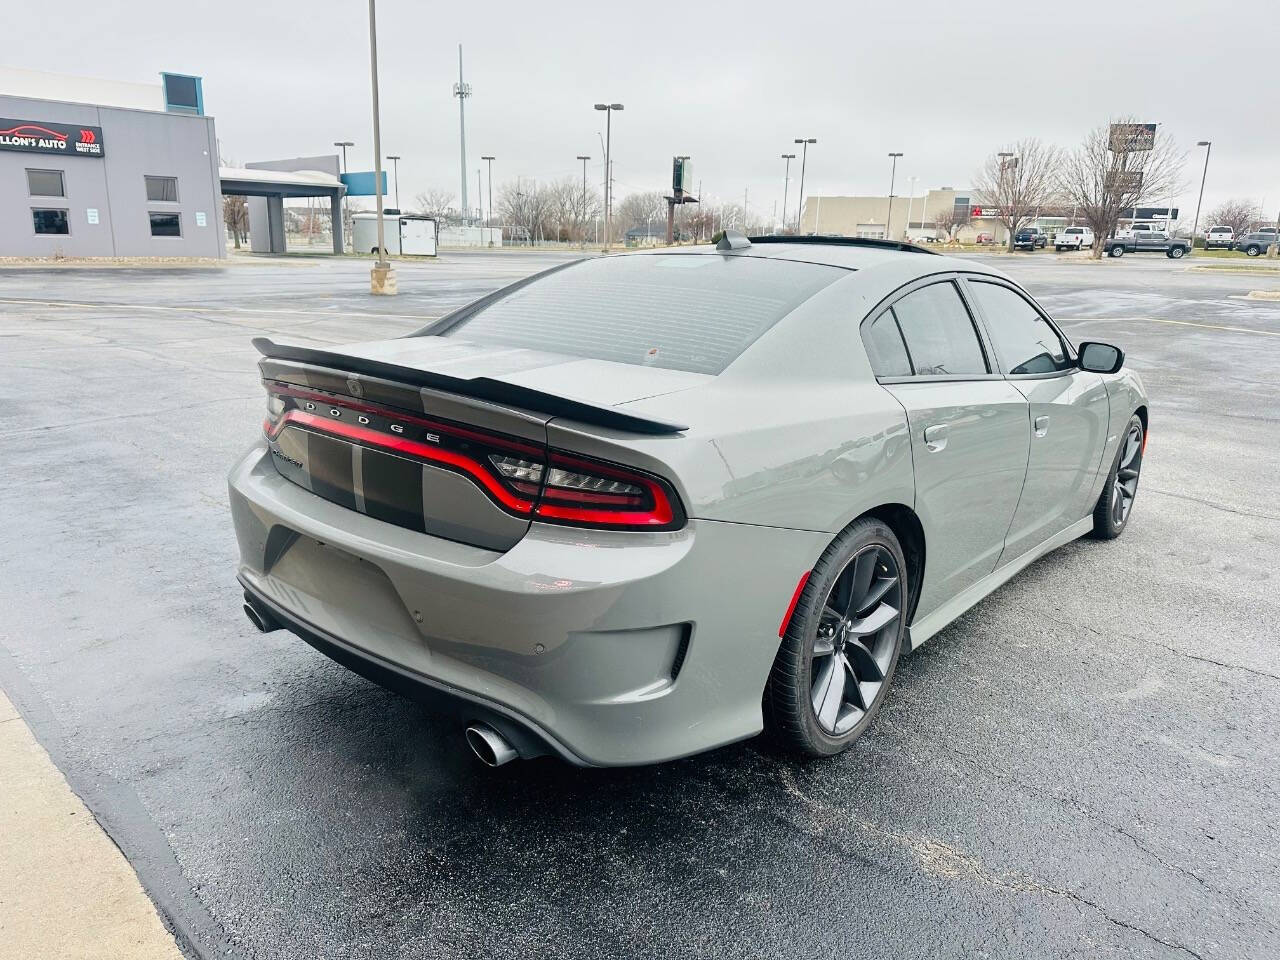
1085	765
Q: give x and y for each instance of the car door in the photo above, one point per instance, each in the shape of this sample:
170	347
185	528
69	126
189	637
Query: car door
1150	240
968	425
1068	412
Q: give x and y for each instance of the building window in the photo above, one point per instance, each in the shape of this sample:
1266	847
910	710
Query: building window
162	189
51	221
46	183
165	224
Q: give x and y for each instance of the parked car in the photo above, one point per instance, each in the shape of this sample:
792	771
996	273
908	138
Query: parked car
1147	242
1030	238
622	542
983	238
1256	243
1073	238
1222	237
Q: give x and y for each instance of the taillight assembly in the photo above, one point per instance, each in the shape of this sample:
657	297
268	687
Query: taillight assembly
519	476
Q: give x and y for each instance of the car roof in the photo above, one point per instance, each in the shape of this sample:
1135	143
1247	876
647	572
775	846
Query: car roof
905	261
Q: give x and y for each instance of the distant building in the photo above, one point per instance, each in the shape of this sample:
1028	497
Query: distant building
913	218
98	168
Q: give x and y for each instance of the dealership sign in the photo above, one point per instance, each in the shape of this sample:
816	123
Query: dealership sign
40	136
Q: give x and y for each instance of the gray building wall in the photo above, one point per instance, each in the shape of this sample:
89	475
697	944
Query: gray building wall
136	143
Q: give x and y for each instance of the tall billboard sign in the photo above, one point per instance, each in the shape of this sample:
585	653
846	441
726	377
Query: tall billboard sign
1131	137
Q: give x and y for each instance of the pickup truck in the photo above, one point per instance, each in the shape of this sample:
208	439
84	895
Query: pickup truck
1073	238
1030	238
1147	242
1219	236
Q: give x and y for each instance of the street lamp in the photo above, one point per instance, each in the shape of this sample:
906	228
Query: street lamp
1004	161
382	278
888	219
395	166
584	197
786	183
344	144
804	156
608	109
489	161
1208	145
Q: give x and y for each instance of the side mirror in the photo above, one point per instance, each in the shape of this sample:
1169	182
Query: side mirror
1099	357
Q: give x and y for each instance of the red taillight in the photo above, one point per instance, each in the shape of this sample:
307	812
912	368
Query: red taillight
519	476
593	493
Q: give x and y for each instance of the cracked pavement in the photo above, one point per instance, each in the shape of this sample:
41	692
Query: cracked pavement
1084	765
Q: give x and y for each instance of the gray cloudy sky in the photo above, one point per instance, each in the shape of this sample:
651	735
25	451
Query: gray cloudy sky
730	83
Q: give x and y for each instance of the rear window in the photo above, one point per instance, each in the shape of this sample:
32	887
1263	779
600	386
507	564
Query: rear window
687	312
1074	230
1219	229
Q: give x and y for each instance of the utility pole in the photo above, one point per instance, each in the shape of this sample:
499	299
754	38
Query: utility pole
382	279
462	90
911	201
608	109
804	157
888	217
584	198
786	184
395	165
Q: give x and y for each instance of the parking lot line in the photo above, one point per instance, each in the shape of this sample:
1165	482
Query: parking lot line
1180	323
199	308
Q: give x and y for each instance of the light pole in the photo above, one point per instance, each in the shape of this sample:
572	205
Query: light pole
804	156
888	217
382	278
1208	145
395	166
1004	160
608	109
489	161
786	184
343	228
584	198
911	201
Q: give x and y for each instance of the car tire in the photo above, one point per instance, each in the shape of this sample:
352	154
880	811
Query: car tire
1175	253
1115	504
1252	250
794	696
1116	251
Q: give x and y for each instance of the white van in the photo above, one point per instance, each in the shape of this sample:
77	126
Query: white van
1073	238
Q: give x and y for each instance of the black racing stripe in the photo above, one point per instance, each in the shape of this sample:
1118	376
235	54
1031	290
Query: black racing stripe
393	489
329	464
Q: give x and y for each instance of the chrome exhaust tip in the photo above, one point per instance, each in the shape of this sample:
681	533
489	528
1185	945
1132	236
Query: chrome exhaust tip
489	745
259	618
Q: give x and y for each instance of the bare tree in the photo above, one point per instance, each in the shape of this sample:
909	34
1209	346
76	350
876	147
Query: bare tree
235	214
1017	186
569	211
950	219
436	203
1102	183
526	206
1237	214
641	209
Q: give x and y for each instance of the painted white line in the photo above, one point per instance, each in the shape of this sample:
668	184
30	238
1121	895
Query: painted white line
1180	323
193	308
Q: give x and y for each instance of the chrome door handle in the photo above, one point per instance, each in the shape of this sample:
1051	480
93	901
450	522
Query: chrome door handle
935	437
1042	426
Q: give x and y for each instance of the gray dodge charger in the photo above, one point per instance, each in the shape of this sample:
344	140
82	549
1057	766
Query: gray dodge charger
640	506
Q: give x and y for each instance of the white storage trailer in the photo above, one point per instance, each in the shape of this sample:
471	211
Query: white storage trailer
405	234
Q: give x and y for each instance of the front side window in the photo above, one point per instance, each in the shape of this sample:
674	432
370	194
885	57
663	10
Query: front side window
939	332
885	349
46	183
1023	338
162	189
165	224
51	222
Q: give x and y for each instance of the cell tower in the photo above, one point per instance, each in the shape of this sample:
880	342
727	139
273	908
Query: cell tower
462	90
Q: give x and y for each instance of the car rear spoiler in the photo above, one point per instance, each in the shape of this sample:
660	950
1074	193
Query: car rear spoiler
479	388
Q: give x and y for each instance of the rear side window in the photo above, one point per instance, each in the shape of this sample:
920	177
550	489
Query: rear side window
1023	338
939	332
692	312
885	349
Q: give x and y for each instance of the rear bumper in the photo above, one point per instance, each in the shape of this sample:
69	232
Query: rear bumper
606	647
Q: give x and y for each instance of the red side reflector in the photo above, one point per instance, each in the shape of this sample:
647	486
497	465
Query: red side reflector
791	607
1145	434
